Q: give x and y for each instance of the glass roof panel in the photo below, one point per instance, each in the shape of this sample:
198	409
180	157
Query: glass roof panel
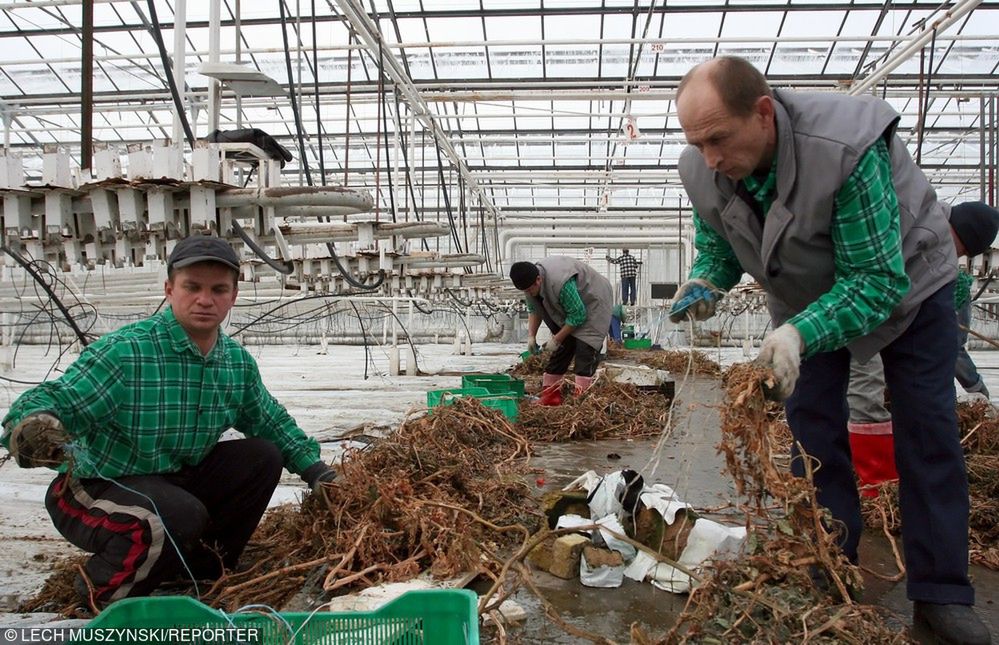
756	24
519	102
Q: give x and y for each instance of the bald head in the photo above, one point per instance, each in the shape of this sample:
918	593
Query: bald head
734	80
726	110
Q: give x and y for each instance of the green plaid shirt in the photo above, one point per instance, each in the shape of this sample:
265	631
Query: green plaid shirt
870	274
571	302
144	400
962	290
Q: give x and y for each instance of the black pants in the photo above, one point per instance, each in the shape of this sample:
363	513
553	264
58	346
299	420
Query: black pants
628	285
933	486
586	358
208	509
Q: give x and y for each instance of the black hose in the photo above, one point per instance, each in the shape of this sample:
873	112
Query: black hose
167	67
447	201
291	90
409	338
285	269
364	336
350	279
27	267
319	120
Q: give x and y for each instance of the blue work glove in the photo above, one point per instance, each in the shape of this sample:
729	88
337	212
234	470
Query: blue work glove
318	474
694	299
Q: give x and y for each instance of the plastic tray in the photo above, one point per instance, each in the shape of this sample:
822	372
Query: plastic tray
495	383
434	617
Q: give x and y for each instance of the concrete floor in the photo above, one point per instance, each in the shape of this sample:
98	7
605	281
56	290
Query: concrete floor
688	463
330	397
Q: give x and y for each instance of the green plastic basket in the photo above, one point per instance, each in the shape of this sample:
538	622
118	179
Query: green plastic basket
505	402
495	383
446	397
432	616
637	343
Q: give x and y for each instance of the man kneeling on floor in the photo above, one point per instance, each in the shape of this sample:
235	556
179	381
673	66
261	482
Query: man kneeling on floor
575	303
134	425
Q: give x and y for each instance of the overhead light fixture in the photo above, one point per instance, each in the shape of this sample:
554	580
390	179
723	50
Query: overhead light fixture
242	80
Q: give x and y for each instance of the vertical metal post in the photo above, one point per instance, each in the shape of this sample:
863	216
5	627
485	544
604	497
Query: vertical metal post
412	162
87	88
992	151
7	113
239	59
399	188
214	44
179	67
981	147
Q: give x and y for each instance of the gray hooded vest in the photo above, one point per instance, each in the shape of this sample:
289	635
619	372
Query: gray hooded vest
594	290
820	139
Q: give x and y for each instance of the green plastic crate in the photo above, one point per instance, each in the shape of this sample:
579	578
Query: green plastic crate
637	343
505	403
446	397
495	383
433	617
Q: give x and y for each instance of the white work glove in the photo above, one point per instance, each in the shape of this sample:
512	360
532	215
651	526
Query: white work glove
781	352
532	345
38	440
694	299
552	345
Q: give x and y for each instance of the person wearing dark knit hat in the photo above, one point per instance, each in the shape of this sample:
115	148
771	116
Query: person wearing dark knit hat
574	302
151	492
973	225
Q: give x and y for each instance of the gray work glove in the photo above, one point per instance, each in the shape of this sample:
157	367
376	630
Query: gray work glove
694	299
781	352
552	345
318	474
532	345
38	440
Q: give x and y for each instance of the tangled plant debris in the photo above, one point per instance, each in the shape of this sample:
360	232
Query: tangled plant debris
774	592
606	410
416	501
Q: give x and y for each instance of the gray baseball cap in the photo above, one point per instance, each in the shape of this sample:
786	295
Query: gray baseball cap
202	248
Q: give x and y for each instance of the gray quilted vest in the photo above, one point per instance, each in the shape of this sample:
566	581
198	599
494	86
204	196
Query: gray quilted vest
594	289
820	139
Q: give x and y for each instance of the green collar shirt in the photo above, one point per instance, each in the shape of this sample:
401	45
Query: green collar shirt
144	400
867	254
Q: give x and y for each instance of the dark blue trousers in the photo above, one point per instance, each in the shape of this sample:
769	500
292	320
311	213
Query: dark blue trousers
628	292
933	483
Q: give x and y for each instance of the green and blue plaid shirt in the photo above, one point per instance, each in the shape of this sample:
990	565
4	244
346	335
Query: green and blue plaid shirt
571	303
870	276
144	400
962	290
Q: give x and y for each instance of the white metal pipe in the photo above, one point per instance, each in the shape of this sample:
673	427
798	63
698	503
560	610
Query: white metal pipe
672	42
295	196
596	238
952	15
214	42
